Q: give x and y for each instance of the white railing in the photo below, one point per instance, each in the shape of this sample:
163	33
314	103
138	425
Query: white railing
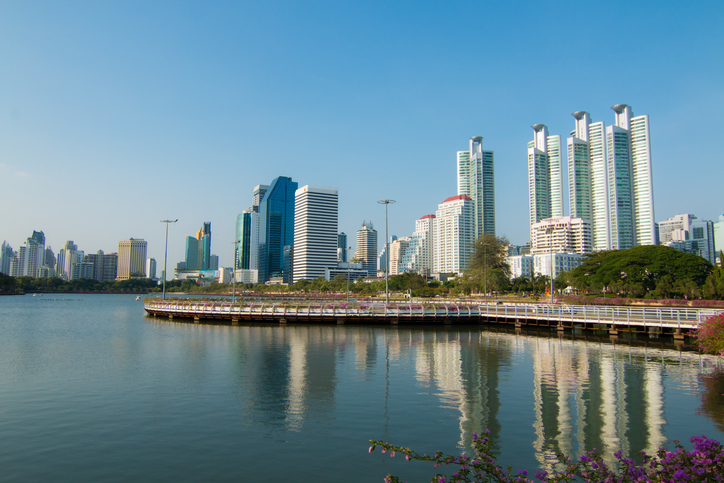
557	313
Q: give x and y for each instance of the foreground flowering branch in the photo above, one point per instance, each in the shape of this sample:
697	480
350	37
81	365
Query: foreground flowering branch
703	463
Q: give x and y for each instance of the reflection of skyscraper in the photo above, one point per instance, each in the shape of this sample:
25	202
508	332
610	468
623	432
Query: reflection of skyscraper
276	217
616	405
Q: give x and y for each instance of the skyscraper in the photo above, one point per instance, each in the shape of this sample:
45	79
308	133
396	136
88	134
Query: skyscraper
419	254
545	185
198	249
609	179
131	258
476	180
67	256
315	232
6	254
454	234
367	248
276	230
342	247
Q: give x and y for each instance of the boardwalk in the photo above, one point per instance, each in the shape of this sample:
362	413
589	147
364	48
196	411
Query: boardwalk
676	321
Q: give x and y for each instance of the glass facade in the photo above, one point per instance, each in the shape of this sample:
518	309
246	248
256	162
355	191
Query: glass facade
276	212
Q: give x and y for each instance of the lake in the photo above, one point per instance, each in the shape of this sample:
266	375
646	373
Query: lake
93	389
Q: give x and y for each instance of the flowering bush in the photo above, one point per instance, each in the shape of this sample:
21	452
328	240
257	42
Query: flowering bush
710	335
703	463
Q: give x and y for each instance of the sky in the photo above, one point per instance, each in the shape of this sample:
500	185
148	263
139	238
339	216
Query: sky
116	115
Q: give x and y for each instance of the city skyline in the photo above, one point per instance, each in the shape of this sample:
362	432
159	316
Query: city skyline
172	124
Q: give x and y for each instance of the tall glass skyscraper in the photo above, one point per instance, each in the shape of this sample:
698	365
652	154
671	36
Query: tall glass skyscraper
198	249
276	217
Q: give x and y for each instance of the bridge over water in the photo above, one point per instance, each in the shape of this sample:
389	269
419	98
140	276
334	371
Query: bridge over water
662	320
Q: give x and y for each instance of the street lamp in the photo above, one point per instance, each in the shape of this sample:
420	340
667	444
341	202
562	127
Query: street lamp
387	252
485	268
549	232
233	273
348	262
165	254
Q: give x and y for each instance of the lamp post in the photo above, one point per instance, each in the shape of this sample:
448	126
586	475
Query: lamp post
233	273
165	254
549	232
387	252
485	268
348	262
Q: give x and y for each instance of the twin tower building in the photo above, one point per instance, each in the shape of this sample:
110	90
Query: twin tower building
609	181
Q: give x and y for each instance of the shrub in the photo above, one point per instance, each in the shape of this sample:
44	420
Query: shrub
702	463
710	335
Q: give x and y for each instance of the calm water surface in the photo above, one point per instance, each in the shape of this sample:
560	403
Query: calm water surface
93	389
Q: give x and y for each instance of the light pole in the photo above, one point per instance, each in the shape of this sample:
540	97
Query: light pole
348	262
549	232
387	252
165	254
485	268
233	273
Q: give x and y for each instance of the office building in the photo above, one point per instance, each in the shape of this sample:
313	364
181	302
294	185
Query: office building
131	258
475	179
31	255
545	185
198	249
67	256
561	262
276	230
398	248
419	254
382	257
563	234
342	247
81	270
454	234
521	266
6	254
105	267
151	268
688	234
719	235
367	248
315	232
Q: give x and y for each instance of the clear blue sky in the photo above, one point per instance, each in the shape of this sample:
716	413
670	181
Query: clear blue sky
115	115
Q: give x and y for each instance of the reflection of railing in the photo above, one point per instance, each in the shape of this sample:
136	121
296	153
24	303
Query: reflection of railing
568	316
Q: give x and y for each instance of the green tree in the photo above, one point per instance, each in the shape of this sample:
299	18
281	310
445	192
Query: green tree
488	267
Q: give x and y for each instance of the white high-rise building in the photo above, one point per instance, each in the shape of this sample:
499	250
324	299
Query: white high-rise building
131	258
151	268
609	178
419	254
67	256
545	178
315	232
367	248
398	248
476	179
454	234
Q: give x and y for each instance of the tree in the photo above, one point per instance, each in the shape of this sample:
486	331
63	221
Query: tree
639	270
488	267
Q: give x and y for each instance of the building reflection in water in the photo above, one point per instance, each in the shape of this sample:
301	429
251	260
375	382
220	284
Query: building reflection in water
584	395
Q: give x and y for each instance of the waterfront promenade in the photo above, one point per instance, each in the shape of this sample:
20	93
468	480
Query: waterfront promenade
663	320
